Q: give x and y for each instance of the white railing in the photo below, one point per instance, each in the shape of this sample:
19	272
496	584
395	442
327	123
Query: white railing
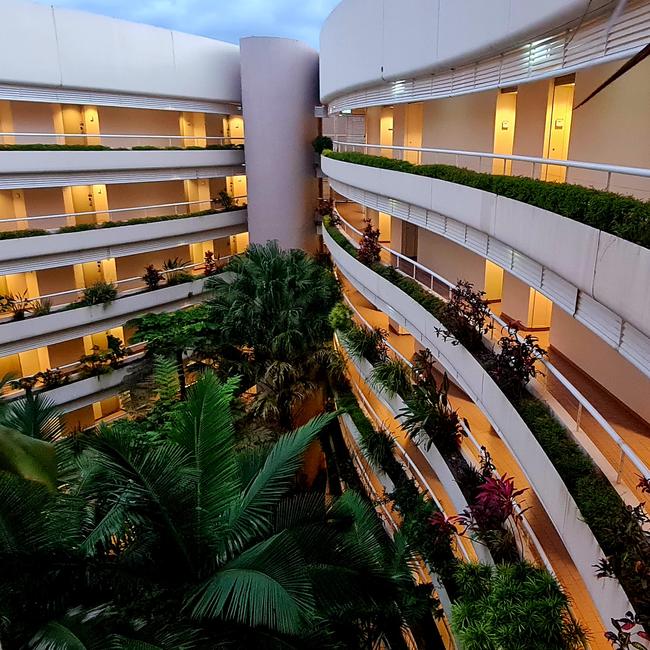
147	210
530	533
629	464
134	352
118	284
130	139
538	166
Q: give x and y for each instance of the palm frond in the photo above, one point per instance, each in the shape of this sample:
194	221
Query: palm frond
165	377
132	480
205	430
35	416
28	457
267	585
252	512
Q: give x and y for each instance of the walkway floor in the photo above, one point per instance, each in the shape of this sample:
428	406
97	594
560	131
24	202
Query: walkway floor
633	429
552	545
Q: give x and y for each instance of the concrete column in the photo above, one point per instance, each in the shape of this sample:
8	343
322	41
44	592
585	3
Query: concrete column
279	92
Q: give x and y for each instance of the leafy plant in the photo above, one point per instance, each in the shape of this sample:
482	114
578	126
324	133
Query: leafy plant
41	307
26	383
516	363
226	201
322	142
53	378
175	272
18	304
152	277
369	247
210	264
99	293
507	607
467	316
394	376
623	636
363	343
340	318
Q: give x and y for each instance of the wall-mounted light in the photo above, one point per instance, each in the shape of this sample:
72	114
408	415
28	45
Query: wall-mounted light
559	124
505	125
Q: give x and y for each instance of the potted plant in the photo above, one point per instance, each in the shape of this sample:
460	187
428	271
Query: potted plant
175	271
99	293
152	277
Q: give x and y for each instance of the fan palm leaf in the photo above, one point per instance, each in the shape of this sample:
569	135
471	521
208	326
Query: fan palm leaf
251	513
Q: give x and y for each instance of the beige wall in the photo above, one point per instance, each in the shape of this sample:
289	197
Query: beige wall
66	352
138	121
465	122
132	266
613	127
449	260
55	280
32	117
602	362
532	100
214	125
131	195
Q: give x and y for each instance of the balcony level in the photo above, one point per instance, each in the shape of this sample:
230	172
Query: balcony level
463	370
581	269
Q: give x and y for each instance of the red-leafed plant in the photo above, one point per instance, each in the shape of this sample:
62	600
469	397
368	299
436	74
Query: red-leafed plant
496	500
369	248
442	525
643	484
623	636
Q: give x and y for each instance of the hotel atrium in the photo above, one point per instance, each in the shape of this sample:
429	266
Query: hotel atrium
425	248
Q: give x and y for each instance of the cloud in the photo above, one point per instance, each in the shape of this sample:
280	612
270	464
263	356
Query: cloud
226	20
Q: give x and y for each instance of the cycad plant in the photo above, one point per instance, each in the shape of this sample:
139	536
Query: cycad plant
170	535
269	315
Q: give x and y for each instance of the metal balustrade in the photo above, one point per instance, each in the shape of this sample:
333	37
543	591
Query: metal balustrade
536	167
118	283
137	212
520	522
629	467
130	139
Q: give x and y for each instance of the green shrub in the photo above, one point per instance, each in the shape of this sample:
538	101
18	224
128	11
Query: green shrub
340	318
322	143
98	294
507	607
623	216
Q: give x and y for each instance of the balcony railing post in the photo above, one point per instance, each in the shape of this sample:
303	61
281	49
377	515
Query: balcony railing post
621	461
579	416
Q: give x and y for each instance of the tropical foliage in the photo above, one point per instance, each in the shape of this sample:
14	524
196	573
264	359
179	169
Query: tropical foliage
170	538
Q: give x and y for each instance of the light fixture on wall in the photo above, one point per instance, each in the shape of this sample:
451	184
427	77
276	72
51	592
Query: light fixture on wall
559	124
505	125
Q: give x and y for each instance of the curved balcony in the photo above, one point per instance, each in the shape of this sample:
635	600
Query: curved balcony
464	370
66	324
63	249
618	455
438	53
43	168
579	268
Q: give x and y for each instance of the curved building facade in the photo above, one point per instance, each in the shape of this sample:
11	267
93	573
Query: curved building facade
441	113
502	146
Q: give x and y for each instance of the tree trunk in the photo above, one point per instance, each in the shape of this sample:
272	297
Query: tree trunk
181	374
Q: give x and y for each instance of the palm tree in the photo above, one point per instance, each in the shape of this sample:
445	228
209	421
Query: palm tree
174	534
269	314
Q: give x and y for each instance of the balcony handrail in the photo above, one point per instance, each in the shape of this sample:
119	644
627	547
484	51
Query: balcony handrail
577	164
120	135
110	211
470	436
625	449
69	292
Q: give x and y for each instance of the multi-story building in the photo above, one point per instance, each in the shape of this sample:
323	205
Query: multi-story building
496	87
108	126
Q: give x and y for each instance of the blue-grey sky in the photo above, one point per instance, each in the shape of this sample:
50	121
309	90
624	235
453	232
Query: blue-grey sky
226	20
